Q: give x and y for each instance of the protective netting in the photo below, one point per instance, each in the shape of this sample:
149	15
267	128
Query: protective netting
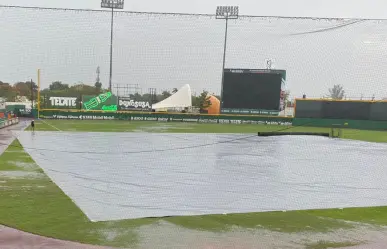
167	51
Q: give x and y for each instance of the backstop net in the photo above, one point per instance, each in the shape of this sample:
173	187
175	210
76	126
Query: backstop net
155	53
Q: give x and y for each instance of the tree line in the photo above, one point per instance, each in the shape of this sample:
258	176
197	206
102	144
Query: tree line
22	91
28	91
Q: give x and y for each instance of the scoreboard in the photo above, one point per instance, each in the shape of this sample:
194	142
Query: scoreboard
253	91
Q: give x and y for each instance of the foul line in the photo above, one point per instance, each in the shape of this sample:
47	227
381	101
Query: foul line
56	128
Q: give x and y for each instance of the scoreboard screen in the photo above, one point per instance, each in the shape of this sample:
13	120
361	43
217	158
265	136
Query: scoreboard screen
253	91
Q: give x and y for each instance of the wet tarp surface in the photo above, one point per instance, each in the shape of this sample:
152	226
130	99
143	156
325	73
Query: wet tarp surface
114	176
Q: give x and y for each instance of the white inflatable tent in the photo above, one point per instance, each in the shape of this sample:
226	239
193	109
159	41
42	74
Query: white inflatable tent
179	100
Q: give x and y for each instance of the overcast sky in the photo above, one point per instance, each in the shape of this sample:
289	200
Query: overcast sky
167	52
319	8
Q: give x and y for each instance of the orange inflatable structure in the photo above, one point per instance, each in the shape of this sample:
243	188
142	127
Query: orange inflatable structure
214	108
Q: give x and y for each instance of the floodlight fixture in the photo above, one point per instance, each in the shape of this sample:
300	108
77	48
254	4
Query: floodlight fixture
227	12
112	4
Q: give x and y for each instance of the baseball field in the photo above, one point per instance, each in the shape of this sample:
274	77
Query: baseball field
32	202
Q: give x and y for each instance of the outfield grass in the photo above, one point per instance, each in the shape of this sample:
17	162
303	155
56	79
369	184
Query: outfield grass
37	205
120	126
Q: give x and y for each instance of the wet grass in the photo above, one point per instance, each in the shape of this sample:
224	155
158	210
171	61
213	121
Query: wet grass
328	244
40	207
127	126
288	222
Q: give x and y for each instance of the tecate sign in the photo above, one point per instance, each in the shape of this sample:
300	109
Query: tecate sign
63	101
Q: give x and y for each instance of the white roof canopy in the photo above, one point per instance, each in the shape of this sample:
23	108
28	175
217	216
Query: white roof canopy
182	98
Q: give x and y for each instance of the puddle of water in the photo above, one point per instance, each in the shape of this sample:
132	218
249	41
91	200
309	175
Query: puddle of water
163	127
110	234
154	236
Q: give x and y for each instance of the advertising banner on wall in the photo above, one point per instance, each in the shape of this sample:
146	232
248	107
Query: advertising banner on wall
127	104
103	102
60	102
167	118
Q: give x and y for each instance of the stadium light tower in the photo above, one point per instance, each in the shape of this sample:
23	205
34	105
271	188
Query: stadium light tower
226	13
112	4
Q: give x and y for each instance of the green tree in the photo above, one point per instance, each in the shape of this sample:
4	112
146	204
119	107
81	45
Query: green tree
166	94
137	97
7	91
98	86
58	85
84	89
204	100
195	101
32	88
337	92
174	90
22	89
288	101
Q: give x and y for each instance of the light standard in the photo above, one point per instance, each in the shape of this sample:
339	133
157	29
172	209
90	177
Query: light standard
112	4
226	12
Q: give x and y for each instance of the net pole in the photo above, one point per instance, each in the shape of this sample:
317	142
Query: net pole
38	104
224	64
111	51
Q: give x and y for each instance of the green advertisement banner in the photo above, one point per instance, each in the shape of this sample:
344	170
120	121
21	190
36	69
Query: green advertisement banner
60	102
168	118
104	102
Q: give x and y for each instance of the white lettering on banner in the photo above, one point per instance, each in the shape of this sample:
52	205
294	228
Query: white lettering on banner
65	117
86	117
252	122
134	104
63	101
208	121
190	120
224	121
165	119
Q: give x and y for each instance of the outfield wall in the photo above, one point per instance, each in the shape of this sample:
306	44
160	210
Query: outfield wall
359	114
341	109
345	123
163	117
220	119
